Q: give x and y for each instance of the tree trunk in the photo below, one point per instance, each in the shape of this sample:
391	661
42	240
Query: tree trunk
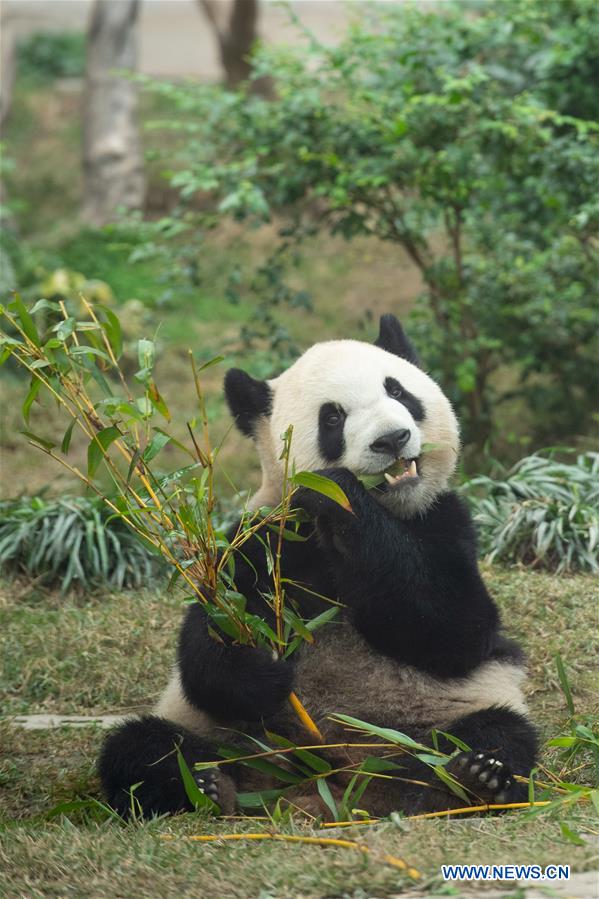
236	38
112	156
8	60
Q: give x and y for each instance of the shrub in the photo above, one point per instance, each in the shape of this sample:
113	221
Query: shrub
49	54
74	541
543	513
454	136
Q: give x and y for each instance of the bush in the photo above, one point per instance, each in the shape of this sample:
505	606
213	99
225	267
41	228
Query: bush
71	542
467	140
52	54
542	513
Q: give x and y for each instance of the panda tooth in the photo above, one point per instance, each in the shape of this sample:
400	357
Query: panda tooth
390	479
413	470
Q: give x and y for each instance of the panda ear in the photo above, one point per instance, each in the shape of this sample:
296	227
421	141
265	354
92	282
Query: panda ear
393	339
248	399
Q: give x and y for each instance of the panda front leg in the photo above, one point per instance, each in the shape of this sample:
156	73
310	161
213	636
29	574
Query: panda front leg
140	774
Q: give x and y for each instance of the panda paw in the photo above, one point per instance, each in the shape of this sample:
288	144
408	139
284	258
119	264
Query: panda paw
483	775
207	781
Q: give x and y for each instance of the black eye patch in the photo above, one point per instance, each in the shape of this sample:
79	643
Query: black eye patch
407	399
331	443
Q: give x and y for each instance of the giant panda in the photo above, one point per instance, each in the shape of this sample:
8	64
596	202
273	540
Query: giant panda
418	643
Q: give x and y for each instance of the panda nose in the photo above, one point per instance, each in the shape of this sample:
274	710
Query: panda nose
392	443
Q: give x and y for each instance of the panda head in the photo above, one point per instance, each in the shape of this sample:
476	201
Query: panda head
366	407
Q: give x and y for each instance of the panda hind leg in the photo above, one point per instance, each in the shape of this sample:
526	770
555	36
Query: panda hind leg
503	743
139	769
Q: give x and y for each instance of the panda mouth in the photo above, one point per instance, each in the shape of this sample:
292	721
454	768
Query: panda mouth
402	470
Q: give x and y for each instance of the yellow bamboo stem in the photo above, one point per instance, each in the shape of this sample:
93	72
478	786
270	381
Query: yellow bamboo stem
310	841
477	808
304	717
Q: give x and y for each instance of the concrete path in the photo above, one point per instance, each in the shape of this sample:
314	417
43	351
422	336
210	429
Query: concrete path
48	722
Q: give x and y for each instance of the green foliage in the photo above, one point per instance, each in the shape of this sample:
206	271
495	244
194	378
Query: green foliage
467	140
51	54
72	542
542	513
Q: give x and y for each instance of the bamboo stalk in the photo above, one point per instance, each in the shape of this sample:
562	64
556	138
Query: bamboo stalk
477	808
304	717
412	872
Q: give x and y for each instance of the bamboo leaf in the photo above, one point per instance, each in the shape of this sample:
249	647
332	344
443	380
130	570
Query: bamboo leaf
198	799
156	444
46	444
451	783
33	392
158	401
323	485
25	319
112	329
563	679
327	797
66	440
387	733
98	446
210	363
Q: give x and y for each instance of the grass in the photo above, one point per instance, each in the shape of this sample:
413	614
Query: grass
111	653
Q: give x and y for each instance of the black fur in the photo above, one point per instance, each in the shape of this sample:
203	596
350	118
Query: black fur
413	586
407	399
228	681
392	338
248	399
331	419
139	769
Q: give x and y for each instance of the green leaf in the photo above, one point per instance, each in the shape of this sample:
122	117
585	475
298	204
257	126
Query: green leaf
263	765
89	351
33	392
197	798
25	319
158	401
391	736
210	363
563	679
98	446
259	799
451	783
571	836
156	444
46	444
66	440
44	304
112	329
456	742
64	329
323	485
563	742
430	759
327	797
145	354
313	761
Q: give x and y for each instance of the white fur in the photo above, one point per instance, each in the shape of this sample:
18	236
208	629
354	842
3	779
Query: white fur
173	706
352	374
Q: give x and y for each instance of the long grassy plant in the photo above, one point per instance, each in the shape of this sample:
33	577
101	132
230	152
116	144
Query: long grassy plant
72	542
542	512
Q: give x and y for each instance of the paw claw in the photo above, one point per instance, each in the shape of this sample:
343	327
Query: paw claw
485	776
